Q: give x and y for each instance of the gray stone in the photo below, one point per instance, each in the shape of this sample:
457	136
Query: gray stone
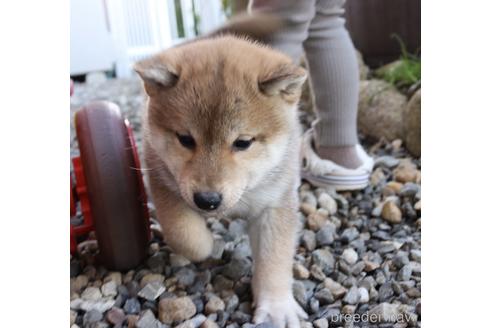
242	249
385	292
409	189
324	259
152	290
350	256
349	234
328	203
237	228
109	289
147	320
91	317
326	235
308	240
364	295
299	292
132	306
324	296
177	260
405	272
352	296
237	268
91	294
185	276
386	161
384	312
218	249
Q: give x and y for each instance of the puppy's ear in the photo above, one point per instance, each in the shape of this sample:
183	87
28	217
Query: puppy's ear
285	81
156	75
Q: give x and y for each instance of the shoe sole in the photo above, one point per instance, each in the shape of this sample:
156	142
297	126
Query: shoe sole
339	183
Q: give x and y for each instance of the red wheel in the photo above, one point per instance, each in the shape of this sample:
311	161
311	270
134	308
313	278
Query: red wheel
116	196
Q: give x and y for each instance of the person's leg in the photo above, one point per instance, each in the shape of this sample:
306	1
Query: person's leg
297	16
334	75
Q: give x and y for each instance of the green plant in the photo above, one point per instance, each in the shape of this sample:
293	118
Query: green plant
404	72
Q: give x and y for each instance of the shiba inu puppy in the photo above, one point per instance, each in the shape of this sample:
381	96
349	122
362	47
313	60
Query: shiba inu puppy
222	137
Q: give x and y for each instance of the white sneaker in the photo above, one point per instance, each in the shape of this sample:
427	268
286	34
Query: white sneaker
325	173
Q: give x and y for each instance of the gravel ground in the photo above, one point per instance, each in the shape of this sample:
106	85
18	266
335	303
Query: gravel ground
357	264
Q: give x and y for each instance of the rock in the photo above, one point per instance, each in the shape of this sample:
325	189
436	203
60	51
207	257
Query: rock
151	277
132	306
147	320
176	309
324	296
386	161
299	292
317	272
405	272
350	256
209	324
79	283
377	177
177	260
380	111
385	292
231	303
364	295
326	235
334	287
237	268
300	271
91	294
417	206
384	312
114	276
308	240
406	171
391	212
308	209
109	289
394	186
242	249
156	262
321	323
349	234
317	220
324	259
328	203
115	316
91	317
237	228
410	189
411	115
152	290
218	249
185	276
214	304
352	296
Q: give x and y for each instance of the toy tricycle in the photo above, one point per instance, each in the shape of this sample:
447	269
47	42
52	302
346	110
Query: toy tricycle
108	187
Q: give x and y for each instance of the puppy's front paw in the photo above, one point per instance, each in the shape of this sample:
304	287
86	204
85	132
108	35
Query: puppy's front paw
282	312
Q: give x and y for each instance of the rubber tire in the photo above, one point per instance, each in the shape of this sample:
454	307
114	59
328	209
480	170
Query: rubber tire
112	185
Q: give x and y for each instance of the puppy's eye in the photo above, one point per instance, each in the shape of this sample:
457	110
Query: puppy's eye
242	144
186	141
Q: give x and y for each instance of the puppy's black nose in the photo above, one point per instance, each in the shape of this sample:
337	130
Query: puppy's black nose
208	200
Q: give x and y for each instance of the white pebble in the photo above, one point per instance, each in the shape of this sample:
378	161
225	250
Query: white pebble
350	256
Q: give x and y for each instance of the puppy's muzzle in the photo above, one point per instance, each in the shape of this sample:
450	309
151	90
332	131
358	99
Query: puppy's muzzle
208	200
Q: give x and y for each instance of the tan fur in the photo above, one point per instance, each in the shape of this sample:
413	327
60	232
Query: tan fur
217	90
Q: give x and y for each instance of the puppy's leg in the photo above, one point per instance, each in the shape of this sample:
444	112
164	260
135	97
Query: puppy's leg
273	239
183	229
